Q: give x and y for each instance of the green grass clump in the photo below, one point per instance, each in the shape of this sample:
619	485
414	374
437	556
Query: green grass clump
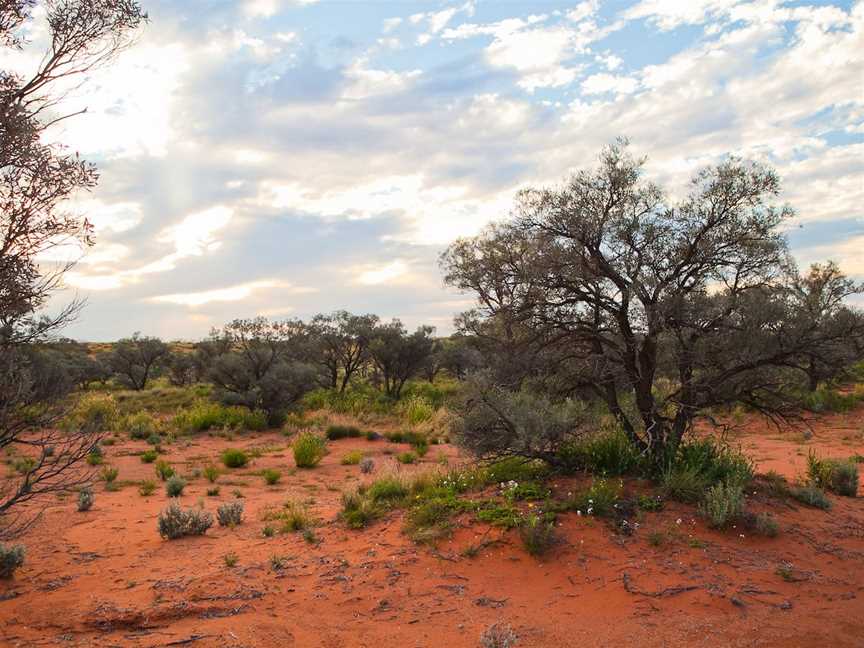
234	458
599	499
109	476
761	524
608	453
516	469
499	514
11	558
292	516
352	458
335	432
149	456
163	470
406	457
140	425
836	475
309	449
147	487
723	503
271	476
537	534
204	415
211	473
416	409
812	496
358	511
388	488
174	486
92	413
826	399
528	490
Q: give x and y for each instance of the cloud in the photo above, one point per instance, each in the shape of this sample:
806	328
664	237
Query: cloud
228	294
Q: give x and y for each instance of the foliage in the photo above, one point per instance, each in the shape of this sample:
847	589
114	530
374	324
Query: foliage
367	465
149	456
703	463
134	359
11	558
811	496
86	497
836	475
174	522
211	473
498	635
271	476
230	514
335	432
234	458
415	409
147	487
309	449
163	470
398	356
537	534
599	499
352	458
140	425
92	413
607	453
204	415
174	486
761	524
109	475
406	457
723	503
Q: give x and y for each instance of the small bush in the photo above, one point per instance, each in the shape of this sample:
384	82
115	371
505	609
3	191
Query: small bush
204	416
598	500
416	409
352	458
367	465
372	435
723	503
295	517
95	457
826	399
85	499
835	475
213	492
538	534
109	475
11	558
234	458
268	531
271	476
500	515
406	458
498	635
761	524
309	449
174	522
230	514
335	432
811	496
149	456
163	470
147	487
139	426
388	488
420	446
230	559
358	511
211	473
682	483
154	439
92	413
609	453
174	486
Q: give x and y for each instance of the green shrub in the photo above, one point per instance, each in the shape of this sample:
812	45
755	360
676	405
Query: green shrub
234	458
174	486
528	490
723	504
388	488
204	415
497	514
230	559
271	476
95	457
599	499
23	465
139	426
352	458
85	499
516	469
358	511
174	522
211	473
213	492
154	439
309	449
109	476
811	496
230	514
367	465
715	462
609	453
163	470
147	487
11	558
406	458
683	483
149	456
826	399
429	520
268	531
537	533
295	517
372	435
420	446
92	413
416	409
761	524
335	432
836	475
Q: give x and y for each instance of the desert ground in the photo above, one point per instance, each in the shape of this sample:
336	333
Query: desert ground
104	577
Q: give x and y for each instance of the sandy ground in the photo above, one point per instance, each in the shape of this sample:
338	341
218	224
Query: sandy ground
105	578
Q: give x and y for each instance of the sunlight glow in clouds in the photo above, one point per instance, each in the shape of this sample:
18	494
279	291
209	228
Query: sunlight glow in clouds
230	294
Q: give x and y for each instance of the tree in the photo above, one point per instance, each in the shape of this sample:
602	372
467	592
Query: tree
399	356
340	344
459	357
819	296
134	359
182	369
260	365
37	178
604	286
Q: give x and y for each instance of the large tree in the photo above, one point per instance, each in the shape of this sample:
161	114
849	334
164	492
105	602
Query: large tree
134	359
37	178
340	345
399	356
605	287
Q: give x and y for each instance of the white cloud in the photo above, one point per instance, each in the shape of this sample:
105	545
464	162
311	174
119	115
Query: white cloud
600	83
380	275
669	14
229	294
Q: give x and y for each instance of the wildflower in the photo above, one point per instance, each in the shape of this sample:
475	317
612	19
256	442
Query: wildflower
678	521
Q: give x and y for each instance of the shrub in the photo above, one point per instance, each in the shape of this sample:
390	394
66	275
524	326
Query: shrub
372	435
174	522
420	446
211	473
835	475
682	483
515	469
234	458
826	399
358	511
715	461
429	520
230	559
92	413
271	476
367	465
154	439
268	531
537	533
163	470
723	503
139	426
295	517
599	499
230	514
149	456
11	558
335	432
406	457
609	453
811	496
498	635
95	457
147	487
109	476
85	499
388	488
352	458
416	409
174	486
309	449
213	492
203	416
761	524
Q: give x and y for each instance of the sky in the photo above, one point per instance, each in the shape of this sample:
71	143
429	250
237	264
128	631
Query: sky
288	157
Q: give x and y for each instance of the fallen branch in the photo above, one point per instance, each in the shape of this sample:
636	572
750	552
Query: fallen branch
669	591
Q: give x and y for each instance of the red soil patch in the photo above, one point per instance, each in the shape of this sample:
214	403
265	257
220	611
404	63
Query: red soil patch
105	578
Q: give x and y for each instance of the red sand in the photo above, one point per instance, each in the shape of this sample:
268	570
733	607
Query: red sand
105	578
